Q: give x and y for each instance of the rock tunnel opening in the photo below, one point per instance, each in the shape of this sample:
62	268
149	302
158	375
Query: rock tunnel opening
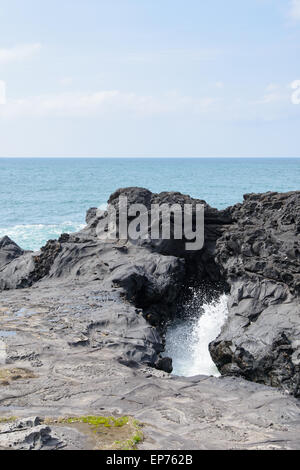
193	318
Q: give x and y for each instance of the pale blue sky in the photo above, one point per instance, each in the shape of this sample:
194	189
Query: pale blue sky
149	78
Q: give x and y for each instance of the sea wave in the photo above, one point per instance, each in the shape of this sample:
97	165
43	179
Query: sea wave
187	342
32	237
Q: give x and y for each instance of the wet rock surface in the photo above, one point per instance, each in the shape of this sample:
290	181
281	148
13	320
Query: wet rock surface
85	319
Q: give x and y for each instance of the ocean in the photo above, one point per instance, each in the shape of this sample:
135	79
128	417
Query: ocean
42	198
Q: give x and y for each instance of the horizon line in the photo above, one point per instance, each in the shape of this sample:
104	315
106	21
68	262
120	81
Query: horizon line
144	157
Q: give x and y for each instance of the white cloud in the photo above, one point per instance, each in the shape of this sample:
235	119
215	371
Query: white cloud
273	94
295	98
270	98
19	52
84	104
220	85
196	55
294	11
272	87
2	92
274	103
66	81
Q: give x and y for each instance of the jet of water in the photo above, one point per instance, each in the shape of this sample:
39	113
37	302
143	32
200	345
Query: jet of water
187	341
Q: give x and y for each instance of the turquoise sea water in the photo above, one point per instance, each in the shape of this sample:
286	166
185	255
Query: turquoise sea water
41	198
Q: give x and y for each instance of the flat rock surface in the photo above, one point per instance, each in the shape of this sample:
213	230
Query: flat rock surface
66	336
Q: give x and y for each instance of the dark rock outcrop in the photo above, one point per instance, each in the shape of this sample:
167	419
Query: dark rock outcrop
9	251
259	255
253	247
89	323
91	214
263	240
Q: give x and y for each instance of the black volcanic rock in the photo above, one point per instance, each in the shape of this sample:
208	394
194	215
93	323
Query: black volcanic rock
134	195
264	239
9	251
89	323
91	214
259	256
253	247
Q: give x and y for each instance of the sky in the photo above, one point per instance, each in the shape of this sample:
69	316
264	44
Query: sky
149	78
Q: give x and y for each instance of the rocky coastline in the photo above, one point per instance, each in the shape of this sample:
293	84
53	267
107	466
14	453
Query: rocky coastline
82	327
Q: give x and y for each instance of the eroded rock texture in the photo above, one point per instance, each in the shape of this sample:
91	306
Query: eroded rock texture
85	319
259	256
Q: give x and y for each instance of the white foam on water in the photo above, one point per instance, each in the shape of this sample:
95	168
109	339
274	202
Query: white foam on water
103	207
187	341
33	237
